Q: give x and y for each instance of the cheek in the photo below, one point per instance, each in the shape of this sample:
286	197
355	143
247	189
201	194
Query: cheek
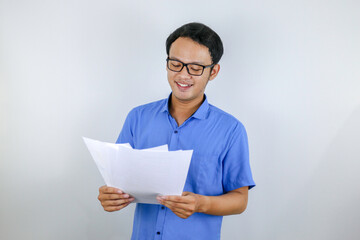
170	75
204	83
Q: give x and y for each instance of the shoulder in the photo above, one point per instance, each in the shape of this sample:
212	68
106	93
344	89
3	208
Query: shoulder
148	108
226	119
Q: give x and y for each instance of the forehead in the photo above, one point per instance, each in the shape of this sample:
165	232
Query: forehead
187	50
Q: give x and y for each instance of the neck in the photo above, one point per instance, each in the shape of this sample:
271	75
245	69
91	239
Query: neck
182	110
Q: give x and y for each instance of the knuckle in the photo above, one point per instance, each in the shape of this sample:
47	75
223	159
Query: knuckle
101	196
102	189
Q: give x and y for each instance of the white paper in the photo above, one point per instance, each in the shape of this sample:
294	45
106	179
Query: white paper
143	174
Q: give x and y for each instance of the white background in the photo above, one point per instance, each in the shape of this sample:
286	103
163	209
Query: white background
290	73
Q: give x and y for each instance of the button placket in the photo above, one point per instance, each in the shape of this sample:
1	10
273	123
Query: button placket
160	223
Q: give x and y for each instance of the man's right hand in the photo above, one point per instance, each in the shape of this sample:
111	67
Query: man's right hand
113	199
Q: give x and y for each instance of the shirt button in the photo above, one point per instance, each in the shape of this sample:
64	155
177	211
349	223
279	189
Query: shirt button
162	207
175	131
158	233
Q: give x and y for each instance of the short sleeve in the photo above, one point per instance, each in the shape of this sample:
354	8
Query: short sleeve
236	165
127	133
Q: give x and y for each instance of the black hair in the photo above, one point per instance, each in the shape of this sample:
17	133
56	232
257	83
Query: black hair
201	34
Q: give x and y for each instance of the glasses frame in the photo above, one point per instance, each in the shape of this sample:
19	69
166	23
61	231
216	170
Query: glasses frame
187	68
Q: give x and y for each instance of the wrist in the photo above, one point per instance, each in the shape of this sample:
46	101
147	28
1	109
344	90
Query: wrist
204	204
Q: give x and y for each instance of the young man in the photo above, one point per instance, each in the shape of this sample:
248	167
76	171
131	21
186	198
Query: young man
219	175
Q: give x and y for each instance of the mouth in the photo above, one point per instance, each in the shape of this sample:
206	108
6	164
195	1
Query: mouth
183	85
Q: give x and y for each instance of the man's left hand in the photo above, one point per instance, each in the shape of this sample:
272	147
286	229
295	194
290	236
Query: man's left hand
183	206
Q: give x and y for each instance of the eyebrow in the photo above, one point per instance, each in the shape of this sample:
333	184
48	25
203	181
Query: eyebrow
198	63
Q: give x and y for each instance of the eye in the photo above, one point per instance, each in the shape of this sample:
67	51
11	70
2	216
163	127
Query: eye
176	64
196	68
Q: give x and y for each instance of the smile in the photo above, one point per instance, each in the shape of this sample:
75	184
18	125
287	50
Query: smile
183	85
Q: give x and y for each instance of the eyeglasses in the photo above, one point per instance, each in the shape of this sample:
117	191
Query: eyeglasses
192	68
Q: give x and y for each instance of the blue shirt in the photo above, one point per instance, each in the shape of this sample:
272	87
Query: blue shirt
220	163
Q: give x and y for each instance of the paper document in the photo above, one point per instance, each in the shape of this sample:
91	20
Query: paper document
143	174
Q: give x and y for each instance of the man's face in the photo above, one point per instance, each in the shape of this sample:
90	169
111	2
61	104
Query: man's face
186	87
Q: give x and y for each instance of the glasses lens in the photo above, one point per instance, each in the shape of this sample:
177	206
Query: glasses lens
195	69
175	65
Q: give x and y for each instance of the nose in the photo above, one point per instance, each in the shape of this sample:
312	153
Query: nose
184	72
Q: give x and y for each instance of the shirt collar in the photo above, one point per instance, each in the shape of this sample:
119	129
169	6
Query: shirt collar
201	112
165	107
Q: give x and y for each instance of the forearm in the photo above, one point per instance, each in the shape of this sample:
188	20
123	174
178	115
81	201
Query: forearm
233	202
227	204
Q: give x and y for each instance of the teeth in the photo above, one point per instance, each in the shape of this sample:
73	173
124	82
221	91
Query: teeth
184	85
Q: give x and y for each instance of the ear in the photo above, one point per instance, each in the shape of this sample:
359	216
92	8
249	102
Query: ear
214	72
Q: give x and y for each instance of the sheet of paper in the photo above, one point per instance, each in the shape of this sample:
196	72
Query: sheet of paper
144	174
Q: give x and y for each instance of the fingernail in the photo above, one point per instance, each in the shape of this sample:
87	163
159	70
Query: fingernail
119	191
126	195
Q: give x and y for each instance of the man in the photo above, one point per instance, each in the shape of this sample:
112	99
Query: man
219	175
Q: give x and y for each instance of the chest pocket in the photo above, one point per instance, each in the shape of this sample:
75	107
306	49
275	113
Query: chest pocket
205	175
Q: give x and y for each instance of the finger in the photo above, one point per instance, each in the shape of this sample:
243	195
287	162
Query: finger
109	190
186	193
103	197
117	202
180	207
115	208
179	199
182	214
174	205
